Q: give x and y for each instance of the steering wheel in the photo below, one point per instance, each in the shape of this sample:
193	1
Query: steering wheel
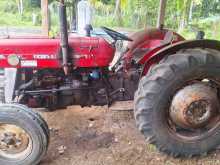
116	35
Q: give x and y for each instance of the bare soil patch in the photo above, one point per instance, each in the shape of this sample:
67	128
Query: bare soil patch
97	136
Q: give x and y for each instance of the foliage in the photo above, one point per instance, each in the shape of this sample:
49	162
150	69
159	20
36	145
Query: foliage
184	16
9	15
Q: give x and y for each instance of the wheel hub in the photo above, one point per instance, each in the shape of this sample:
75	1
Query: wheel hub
9	139
14	141
194	106
198	112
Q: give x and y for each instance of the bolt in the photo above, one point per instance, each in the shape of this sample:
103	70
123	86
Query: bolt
17	142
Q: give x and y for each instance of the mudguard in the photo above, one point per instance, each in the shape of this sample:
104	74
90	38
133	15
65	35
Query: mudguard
147	42
173	48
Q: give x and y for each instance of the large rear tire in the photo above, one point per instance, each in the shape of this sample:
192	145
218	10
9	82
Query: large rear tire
155	95
24	135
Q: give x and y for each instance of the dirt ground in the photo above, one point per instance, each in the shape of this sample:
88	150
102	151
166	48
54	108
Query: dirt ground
97	136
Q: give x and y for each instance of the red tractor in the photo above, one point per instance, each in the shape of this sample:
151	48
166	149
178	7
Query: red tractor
176	105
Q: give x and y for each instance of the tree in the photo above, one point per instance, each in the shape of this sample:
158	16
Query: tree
20	6
184	7
118	14
45	17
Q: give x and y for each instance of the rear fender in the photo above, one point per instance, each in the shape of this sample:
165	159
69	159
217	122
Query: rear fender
173	48
147	42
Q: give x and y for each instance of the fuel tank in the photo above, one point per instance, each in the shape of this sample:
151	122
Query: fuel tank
42	52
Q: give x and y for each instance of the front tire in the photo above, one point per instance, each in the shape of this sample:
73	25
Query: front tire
24	135
154	96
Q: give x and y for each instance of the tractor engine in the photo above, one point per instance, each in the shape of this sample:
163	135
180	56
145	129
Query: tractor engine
84	86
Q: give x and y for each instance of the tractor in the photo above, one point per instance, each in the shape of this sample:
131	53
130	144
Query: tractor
174	84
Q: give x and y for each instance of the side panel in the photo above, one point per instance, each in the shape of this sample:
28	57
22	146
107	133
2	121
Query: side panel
91	52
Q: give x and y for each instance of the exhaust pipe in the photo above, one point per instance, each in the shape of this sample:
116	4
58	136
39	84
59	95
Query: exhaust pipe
64	37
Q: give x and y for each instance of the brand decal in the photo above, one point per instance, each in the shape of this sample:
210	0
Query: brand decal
29	63
44	56
85	56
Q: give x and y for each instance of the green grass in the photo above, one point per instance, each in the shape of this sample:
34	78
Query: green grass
209	34
9	15
189	32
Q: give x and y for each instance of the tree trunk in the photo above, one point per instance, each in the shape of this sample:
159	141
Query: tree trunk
191	11
45	17
161	14
184	19
118	14
74	16
20	7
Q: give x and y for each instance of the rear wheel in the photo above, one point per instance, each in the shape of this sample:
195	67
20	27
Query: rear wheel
177	103
24	135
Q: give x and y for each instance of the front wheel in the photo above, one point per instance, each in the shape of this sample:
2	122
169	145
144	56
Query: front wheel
24	135
177	103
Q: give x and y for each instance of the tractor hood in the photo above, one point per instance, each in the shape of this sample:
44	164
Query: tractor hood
46	53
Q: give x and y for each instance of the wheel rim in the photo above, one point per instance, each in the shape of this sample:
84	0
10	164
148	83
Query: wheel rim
194	112
15	142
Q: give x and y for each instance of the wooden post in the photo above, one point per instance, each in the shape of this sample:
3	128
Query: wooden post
161	15
45	17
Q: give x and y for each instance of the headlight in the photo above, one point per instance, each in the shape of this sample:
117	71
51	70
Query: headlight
13	60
